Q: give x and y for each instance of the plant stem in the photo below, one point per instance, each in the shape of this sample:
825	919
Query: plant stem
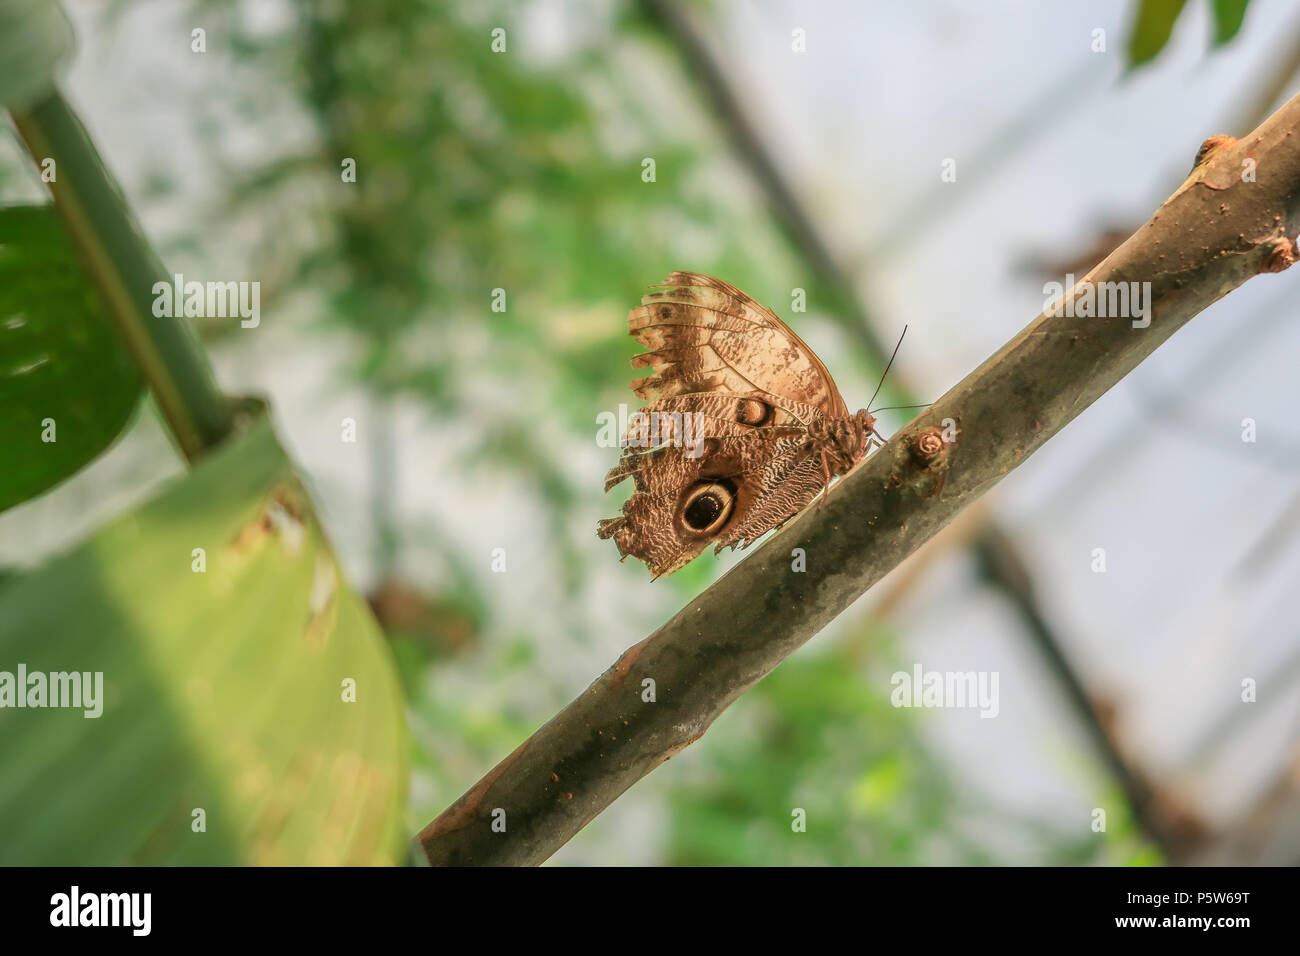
125	268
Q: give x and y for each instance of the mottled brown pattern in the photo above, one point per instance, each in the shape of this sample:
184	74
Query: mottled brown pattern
744	414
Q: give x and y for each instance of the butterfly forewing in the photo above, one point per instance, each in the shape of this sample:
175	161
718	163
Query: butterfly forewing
709	333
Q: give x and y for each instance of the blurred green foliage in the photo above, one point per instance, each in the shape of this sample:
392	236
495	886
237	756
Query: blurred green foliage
819	736
824	740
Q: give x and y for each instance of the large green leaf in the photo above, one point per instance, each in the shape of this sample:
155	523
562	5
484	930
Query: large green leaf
67	385
222	688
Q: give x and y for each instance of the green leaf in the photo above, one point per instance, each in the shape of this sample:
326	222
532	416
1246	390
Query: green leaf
222	689
1228	16
64	373
1152	25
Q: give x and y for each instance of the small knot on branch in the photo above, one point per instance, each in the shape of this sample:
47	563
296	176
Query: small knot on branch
928	444
1282	257
1209	146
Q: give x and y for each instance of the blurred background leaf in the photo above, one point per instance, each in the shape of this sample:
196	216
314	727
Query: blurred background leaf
1228	18
1153	24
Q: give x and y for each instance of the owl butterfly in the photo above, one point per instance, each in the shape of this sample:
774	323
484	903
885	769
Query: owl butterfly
743	427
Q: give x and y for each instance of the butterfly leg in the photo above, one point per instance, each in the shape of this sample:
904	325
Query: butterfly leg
826	487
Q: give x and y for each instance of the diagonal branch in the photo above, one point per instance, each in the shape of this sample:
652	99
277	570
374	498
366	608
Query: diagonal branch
1209	237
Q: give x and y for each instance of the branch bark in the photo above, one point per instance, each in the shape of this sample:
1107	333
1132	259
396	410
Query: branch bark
1210	236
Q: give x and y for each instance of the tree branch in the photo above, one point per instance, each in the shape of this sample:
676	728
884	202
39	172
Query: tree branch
1209	237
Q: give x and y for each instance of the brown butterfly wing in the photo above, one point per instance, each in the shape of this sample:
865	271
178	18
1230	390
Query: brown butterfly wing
706	335
730	401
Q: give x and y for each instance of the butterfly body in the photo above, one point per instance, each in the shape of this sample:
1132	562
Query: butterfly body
743	425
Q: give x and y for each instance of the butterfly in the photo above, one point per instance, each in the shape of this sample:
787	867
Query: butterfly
742	429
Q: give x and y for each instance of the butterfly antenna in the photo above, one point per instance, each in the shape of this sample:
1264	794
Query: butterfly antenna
891	408
887	366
